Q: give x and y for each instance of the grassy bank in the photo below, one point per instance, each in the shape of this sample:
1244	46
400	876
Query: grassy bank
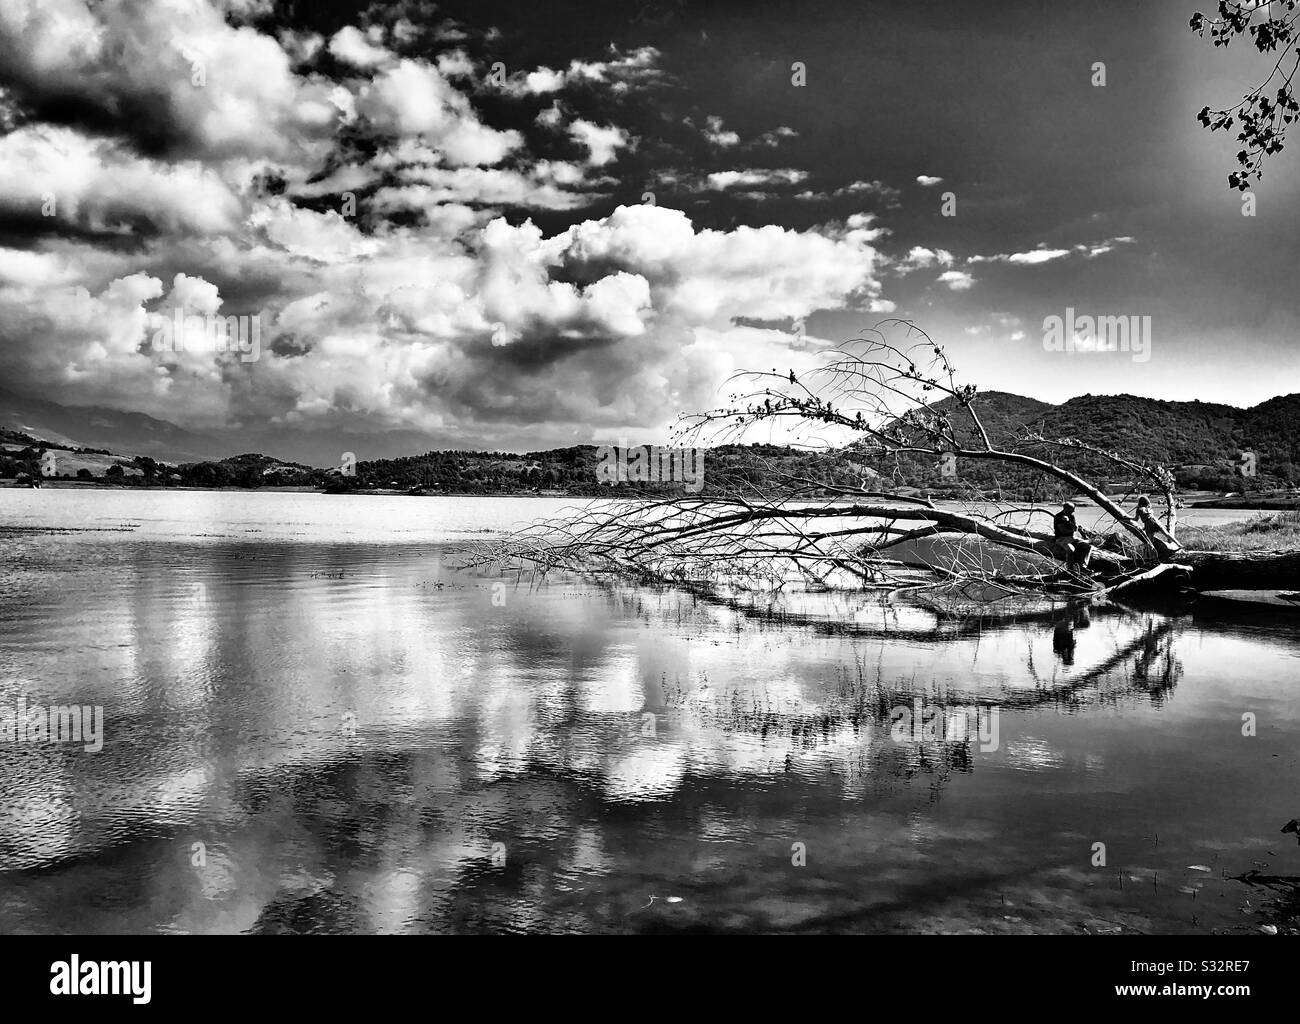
1272	532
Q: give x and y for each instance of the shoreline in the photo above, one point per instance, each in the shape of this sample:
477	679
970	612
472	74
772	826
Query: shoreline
77	485
1273	502
1260	505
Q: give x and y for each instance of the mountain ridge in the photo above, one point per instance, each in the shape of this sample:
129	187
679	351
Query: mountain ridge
1204	441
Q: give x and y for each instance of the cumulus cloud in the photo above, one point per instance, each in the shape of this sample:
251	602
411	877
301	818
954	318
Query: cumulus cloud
546	186
1031	258
364	51
928	180
776	135
503	323
455	64
620	73
552	116
95	344
413	99
720	181
765	272
348	193
921	258
328	237
414	176
98	186
719	136
602	142
1043	254
180	79
877	190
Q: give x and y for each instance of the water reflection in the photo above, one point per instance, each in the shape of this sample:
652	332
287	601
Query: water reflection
342	738
1063	635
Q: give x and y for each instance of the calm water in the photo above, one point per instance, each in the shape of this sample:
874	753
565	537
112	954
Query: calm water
315	723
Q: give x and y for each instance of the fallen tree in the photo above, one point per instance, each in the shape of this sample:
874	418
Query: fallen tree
875	400
1242	570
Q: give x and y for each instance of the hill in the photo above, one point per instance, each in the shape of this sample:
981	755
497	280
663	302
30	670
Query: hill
1203	442
75	427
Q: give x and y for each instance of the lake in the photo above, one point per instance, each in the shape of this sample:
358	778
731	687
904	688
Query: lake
314	721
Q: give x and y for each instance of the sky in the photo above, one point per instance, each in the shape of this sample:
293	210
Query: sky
518	226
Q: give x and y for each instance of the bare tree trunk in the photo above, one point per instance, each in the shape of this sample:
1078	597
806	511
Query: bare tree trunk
1254	570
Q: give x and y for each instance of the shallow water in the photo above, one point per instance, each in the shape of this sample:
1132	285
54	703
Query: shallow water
314	722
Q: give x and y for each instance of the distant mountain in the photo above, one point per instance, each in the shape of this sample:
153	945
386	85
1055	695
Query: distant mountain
1178	433
1172	433
131	433
126	433
1202	441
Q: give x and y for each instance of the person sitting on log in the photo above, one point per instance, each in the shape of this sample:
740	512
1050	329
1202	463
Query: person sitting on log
1165	545
1075	552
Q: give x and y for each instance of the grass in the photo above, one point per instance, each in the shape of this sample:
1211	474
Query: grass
1272	532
